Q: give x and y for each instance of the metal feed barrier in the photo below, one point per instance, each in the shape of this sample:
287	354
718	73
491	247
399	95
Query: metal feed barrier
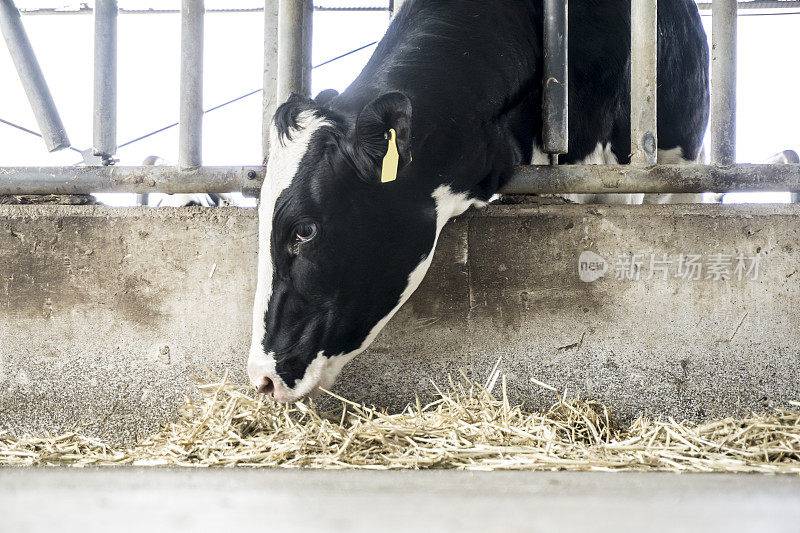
287	68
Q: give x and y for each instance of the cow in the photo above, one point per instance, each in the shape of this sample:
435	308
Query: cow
360	184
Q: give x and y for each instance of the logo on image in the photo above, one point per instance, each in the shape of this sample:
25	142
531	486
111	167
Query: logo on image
591	267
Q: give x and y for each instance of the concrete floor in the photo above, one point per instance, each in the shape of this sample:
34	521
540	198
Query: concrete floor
121	500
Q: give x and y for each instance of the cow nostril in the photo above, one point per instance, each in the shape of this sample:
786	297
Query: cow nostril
266	387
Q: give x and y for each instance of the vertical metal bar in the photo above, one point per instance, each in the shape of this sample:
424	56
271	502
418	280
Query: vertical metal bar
644	81
270	99
394	6
191	108
555	138
105	79
30	74
723	82
308	40
291	44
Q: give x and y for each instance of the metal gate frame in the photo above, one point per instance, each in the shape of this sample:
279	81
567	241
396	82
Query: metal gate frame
287	68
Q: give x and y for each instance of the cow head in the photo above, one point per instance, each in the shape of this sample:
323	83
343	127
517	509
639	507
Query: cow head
339	251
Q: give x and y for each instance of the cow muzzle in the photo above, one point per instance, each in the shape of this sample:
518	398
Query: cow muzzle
261	369
272	389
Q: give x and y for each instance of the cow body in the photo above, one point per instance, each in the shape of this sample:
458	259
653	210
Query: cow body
460	81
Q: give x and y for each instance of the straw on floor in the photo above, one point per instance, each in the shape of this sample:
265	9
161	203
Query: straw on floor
466	428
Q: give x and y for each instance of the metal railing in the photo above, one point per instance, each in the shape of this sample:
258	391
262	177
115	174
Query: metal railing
287	66
32	78
644	175
105	80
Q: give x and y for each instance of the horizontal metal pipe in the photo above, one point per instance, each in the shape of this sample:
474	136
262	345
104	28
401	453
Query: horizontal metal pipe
105	79
601	179
584	179
85	10
703	6
756	4
139	180
32	78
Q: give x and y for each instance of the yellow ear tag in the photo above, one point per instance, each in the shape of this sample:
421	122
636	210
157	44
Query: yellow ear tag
391	161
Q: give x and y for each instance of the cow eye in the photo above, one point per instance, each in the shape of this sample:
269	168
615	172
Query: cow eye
305	232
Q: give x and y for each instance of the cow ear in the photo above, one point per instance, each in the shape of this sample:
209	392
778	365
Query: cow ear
325	97
391	111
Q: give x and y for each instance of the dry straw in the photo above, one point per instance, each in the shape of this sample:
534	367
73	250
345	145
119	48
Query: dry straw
466	428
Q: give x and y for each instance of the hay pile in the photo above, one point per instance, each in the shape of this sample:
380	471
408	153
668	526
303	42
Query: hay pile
467	428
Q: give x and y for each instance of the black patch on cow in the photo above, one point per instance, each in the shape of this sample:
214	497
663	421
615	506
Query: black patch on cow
325	97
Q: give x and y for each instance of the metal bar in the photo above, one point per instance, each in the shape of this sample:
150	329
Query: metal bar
364	9
723	82
644	81
190	143
308	45
394	6
105	79
555	137
270	99
30	74
756	4
139	180
291	54
85	10
602	179
585	179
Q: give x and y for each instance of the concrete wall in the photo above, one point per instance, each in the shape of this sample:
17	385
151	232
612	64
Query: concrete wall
106	314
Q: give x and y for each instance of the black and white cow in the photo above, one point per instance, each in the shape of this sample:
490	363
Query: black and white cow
460	83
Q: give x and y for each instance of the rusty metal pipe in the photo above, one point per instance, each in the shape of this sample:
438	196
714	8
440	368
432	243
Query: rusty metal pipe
602	179
555	102
586	179
644	81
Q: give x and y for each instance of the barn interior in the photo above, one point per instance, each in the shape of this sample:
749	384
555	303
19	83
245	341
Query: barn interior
683	311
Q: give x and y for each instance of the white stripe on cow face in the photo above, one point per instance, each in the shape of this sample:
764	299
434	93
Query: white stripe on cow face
284	162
